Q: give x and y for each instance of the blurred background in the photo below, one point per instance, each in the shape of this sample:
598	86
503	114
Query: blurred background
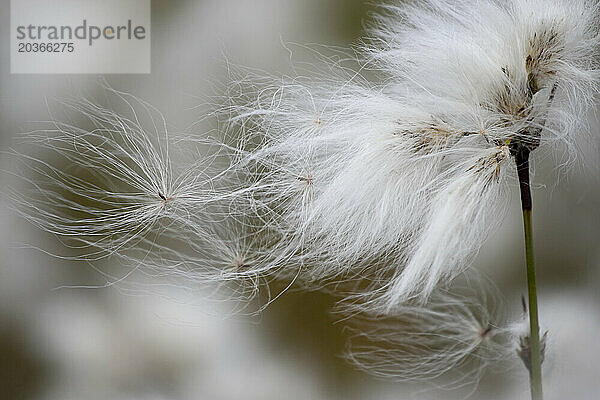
66	334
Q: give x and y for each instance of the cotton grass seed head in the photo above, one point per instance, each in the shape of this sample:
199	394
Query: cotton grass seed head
415	167
111	187
452	340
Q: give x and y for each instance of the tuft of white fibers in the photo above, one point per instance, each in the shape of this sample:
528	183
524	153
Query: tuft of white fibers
366	176
350	182
503	56
412	169
464	211
450	341
105	182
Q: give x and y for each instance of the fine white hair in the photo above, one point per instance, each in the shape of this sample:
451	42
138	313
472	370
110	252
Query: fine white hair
449	341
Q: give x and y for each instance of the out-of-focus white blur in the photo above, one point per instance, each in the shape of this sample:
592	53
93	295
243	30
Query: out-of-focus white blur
63	335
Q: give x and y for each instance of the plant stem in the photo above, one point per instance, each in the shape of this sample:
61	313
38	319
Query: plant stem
535	368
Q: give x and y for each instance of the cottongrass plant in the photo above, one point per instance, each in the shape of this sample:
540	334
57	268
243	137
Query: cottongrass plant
379	190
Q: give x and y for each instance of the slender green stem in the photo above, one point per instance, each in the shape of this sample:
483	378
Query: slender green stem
535	368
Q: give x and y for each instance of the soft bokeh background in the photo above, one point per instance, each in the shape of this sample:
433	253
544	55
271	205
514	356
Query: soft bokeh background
64	335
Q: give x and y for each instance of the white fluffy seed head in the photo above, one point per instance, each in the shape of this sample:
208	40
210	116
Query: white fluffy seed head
464	211
451	340
111	186
501	56
412	169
